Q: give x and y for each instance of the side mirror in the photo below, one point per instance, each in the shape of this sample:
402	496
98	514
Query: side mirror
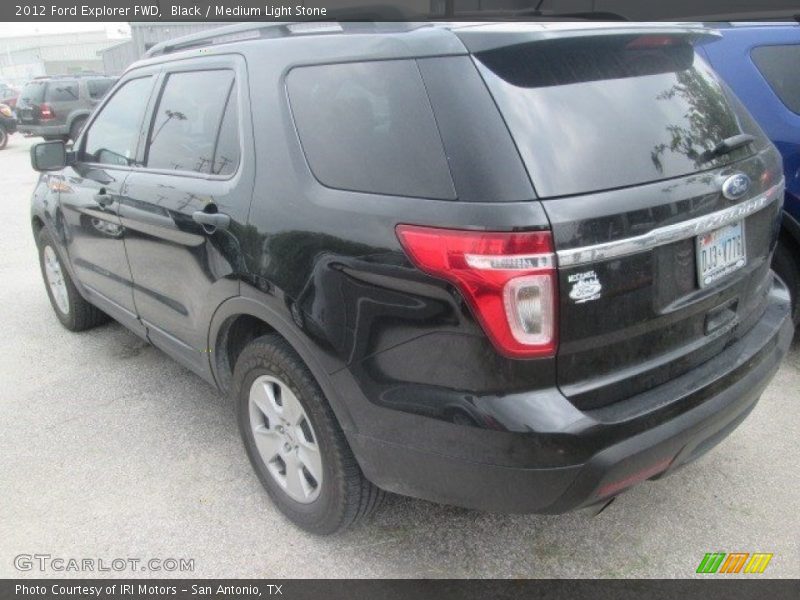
49	156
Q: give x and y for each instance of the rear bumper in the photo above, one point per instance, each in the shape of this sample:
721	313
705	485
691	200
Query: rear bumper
42	130
599	453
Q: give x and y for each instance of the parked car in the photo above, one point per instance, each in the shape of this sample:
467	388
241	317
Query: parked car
8	95
761	62
57	107
8	124
511	267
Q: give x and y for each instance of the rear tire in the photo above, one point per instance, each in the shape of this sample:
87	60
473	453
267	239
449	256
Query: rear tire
3	137
786	263
339	495
72	309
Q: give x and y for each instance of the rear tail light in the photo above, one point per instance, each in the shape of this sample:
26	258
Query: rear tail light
508	279
45	112
653	41
768	178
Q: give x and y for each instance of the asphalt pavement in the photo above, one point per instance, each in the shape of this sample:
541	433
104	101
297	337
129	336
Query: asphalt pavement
109	449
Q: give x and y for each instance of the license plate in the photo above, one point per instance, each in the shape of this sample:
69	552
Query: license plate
720	253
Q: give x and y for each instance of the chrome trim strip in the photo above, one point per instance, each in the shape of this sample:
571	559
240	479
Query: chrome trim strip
511	262
671	233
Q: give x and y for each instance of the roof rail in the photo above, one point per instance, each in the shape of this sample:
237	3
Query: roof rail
260	30
540	15
73	75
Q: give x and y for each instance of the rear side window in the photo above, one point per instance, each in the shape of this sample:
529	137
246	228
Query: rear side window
369	127
186	124
97	88
227	152
112	137
62	91
780	66
597	113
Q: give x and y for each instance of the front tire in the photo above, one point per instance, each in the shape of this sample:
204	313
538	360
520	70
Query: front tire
72	309
294	441
3	137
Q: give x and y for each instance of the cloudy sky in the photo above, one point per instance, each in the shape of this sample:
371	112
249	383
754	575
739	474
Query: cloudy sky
16	29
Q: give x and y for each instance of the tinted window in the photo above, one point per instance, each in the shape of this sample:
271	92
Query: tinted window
112	136
599	113
780	66
369	127
33	93
226	155
62	91
187	121
97	88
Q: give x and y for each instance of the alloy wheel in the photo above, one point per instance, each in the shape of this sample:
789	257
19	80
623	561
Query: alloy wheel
55	279
285	439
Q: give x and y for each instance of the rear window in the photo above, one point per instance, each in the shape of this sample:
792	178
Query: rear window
369	127
62	91
33	93
780	66
592	114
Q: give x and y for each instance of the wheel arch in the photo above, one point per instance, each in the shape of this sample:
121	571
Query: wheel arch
37	224
791	227
238	321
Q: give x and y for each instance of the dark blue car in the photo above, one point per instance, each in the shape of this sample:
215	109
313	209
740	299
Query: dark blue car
761	62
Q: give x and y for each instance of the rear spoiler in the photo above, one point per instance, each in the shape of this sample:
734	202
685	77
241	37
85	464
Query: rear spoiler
490	37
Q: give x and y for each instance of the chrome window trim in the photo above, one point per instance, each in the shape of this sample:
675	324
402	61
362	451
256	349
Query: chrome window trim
573	257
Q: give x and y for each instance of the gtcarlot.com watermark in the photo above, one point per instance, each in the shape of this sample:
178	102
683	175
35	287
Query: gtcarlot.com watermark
46	563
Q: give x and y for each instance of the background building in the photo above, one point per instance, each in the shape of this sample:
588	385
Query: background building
24	57
116	58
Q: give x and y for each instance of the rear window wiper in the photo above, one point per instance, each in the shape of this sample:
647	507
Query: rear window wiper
727	146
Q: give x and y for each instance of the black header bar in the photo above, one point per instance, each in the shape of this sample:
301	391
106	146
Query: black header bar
396	10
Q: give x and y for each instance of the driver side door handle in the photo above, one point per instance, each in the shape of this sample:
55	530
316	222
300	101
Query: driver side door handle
217	220
103	199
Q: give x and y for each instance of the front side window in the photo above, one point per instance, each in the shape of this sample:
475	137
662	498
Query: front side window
780	66
369	127
187	123
113	135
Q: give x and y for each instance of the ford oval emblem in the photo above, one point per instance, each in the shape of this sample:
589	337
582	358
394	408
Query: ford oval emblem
736	186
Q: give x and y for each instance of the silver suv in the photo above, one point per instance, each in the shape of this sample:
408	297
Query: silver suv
57	107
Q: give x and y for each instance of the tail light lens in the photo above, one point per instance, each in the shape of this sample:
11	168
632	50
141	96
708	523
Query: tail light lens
45	112
508	279
653	41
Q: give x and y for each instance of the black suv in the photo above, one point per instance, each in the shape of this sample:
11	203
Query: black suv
57	107
511	267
